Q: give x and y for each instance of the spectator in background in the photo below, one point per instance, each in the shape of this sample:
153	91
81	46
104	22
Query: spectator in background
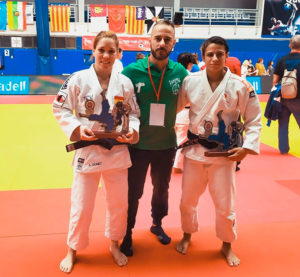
251	69
182	118
270	68
259	66
198	64
244	69
118	65
288	106
140	56
234	65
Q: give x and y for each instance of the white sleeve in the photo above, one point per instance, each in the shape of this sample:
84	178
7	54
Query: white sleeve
251	114
182	94
64	105
130	98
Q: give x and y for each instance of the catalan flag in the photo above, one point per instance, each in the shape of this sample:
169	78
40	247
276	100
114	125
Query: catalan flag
59	17
135	17
16	15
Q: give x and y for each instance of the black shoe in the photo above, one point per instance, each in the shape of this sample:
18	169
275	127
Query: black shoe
161	235
126	246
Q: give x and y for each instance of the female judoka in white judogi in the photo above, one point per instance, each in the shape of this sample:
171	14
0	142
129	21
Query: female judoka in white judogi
83	94
215	94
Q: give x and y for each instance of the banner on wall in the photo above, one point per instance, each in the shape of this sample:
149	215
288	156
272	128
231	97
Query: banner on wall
281	18
126	43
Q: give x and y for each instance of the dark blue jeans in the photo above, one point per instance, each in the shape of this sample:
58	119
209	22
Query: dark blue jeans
161	162
289	106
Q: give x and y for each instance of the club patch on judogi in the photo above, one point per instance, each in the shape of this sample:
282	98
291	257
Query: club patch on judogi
60	98
251	94
80	163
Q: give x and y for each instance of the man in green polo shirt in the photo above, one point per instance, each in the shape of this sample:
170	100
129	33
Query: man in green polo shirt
156	80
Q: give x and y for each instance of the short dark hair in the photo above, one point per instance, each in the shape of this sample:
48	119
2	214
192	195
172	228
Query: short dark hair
164	21
295	42
186	58
216	40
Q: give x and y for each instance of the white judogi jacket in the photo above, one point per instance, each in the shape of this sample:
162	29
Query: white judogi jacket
80	87
234	96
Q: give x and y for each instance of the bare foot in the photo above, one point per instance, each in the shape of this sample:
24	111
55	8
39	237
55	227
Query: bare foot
118	256
66	265
183	245
231	258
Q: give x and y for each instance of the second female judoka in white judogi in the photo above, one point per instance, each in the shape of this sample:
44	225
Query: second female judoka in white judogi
215	95
233	96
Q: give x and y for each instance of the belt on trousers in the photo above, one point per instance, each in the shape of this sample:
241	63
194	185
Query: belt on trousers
202	140
107	143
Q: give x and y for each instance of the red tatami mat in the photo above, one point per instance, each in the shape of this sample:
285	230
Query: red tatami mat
34	225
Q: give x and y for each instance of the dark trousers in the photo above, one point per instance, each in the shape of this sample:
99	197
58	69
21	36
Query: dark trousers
161	162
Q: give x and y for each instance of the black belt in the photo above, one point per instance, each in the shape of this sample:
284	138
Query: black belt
107	143
203	141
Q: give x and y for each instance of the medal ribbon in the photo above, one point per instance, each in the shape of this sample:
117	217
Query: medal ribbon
157	93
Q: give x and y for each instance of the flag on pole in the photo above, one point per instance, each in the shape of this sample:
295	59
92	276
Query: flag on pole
59	17
98	18
135	17
153	14
16	15
116	18
3	15
29	13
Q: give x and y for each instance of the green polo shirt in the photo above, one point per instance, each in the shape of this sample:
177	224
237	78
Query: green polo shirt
156	137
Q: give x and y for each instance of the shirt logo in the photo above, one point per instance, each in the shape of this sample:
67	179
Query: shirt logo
175	85
139	85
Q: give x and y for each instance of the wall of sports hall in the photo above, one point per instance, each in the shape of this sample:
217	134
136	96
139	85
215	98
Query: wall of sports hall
240	22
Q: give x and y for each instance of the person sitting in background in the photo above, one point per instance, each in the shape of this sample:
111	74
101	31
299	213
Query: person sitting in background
260	67
270	68
140	56
244	68
234	65
251	69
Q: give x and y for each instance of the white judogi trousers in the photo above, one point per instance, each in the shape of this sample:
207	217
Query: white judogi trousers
84	188
220	179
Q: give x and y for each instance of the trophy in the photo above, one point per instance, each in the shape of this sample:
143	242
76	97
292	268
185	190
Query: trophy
107	126
218	144
106	123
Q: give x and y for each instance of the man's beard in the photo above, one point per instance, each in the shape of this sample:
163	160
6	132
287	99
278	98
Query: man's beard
160	57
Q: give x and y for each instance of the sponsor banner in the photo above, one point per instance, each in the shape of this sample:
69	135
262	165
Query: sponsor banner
255	82
14	85
22	85
281	18
126	43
